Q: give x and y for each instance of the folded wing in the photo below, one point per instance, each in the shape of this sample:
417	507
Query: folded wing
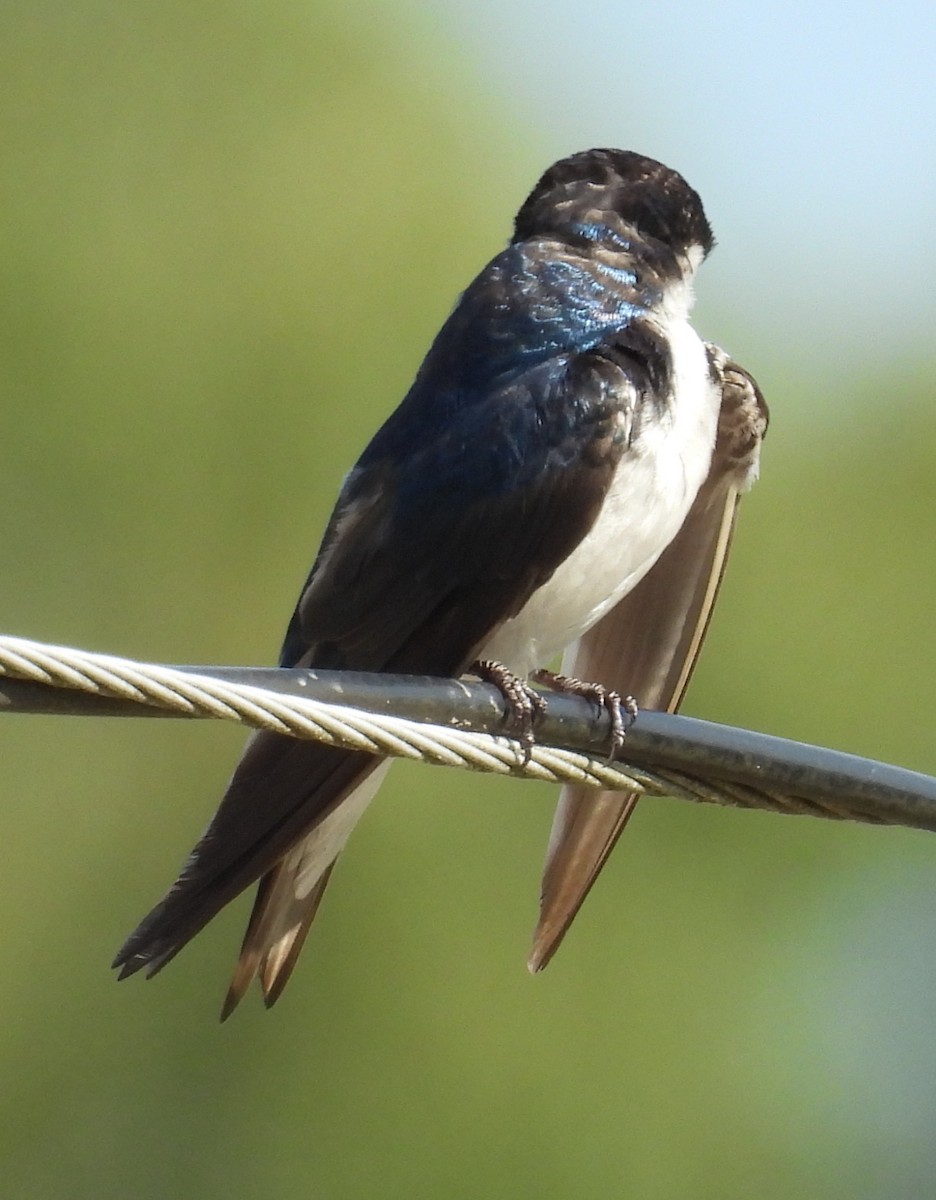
647	646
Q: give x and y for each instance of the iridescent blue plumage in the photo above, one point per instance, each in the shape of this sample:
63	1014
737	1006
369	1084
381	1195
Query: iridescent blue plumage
500	506
497	400
527	310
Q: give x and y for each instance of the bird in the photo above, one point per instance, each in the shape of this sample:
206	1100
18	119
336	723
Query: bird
561	477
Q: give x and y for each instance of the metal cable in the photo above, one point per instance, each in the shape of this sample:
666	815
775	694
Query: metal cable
455	723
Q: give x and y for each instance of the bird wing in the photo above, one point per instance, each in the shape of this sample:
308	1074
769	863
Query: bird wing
426	554
648	646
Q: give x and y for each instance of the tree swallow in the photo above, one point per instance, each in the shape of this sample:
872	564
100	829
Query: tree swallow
562	475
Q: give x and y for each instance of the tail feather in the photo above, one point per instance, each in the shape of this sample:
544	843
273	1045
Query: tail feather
287	813
275	935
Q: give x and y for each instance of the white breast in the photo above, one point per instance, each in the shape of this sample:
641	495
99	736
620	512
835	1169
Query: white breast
648	500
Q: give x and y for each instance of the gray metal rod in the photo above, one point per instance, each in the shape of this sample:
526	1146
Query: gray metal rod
865	789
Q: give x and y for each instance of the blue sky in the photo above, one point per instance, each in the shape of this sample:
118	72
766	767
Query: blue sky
808	129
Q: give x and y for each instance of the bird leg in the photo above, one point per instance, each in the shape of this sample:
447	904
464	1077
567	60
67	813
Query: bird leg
621	709
524	704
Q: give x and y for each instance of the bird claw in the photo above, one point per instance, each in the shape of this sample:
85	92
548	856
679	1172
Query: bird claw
524	704
621	709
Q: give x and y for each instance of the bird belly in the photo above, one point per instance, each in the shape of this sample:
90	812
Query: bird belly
648	500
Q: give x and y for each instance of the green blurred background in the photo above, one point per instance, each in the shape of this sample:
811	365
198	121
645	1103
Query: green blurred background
229	232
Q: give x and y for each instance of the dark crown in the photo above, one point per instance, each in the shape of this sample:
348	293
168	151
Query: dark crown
616	185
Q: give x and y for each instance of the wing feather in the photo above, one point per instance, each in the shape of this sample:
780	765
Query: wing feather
648	646
413	576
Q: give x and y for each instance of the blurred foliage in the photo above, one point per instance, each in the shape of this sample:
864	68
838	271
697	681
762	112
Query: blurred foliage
230	231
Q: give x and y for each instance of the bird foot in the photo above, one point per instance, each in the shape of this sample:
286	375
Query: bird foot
621	709
524	704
